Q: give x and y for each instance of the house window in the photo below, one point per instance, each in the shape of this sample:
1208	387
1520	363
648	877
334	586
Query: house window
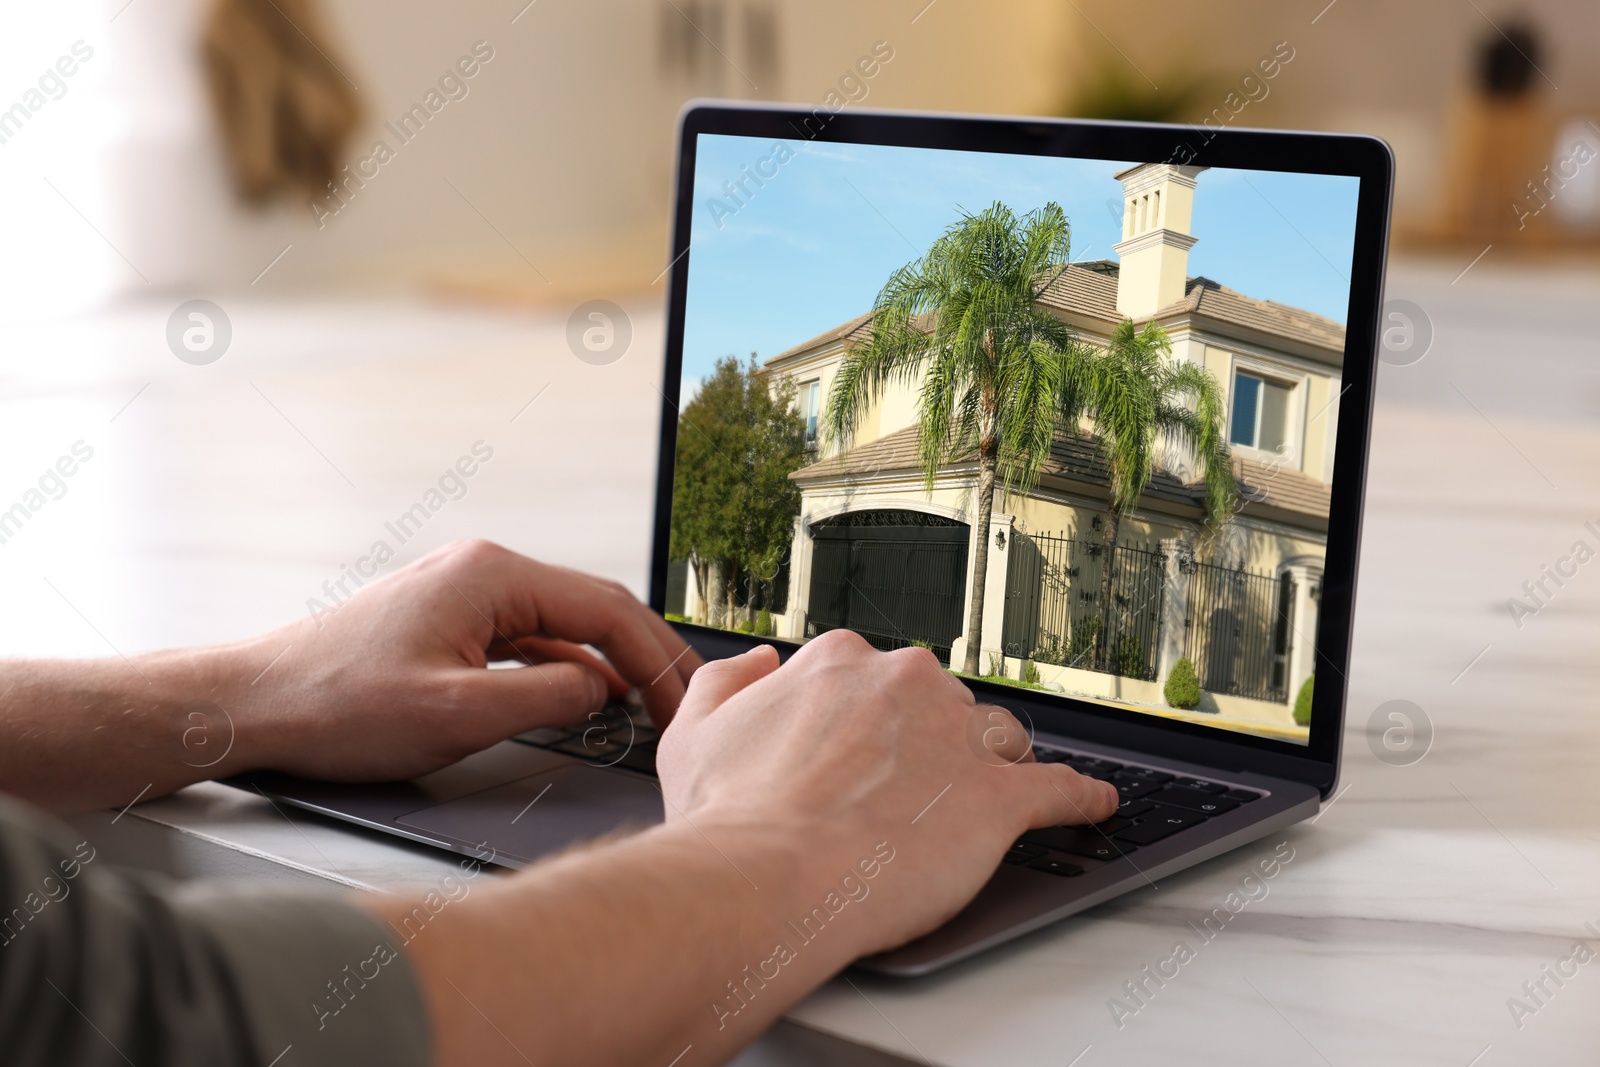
1260	413
810	409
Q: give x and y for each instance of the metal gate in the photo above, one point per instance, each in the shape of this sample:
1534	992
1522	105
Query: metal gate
897	578
1240	632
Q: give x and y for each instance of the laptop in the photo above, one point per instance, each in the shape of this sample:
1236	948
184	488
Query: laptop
1165	604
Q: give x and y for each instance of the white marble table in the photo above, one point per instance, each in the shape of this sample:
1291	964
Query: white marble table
1415	905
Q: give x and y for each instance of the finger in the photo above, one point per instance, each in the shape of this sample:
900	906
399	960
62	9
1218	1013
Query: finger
663	690
997	735
685	659
719	680
531	598
1054	794
548	650
498	704
686	665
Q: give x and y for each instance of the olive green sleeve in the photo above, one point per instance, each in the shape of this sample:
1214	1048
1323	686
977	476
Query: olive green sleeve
97	967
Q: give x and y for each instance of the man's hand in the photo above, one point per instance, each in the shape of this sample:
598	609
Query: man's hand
390	685
816	812
393	685
844	747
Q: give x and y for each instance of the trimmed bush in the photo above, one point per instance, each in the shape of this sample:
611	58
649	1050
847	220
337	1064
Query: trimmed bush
1030	673
1129	658
1183	686
1302	703
764	627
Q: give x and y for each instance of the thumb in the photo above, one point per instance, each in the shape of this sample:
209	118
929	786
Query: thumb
503	702
712	685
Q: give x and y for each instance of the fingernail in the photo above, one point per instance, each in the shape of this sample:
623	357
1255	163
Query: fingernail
1116	798
597	690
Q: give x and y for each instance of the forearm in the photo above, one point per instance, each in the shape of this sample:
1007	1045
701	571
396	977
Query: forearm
631	952
388	686
76	735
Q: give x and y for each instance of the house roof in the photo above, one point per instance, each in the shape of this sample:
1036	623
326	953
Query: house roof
1211	300
1283	488
1262	486
1086	288
1090	289
848	331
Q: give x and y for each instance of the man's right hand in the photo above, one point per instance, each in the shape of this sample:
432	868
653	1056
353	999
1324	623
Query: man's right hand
844	747
817	812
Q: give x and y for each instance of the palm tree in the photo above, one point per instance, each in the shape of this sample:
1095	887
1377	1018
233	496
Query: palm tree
998	373
1138	396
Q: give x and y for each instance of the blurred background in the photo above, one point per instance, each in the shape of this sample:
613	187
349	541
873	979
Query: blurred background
562	142
397	206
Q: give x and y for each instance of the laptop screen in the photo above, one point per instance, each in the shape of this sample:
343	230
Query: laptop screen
1067	423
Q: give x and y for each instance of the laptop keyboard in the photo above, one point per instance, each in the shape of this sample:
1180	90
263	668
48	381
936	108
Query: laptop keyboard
1155	804
615	736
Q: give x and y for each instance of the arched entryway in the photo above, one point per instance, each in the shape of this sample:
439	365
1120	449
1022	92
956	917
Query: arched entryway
895	577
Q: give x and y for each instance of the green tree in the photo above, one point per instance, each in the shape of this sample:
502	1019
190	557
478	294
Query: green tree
998	373
1139	397
733	505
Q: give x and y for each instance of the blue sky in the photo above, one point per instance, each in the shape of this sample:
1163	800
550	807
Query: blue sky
811	247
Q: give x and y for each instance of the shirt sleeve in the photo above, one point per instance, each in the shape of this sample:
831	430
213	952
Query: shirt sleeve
97	967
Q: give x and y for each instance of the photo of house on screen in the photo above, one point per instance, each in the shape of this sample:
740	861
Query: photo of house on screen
876	551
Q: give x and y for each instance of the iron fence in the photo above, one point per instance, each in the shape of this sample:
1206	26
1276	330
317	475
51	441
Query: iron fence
898	584
1238	631
1055	609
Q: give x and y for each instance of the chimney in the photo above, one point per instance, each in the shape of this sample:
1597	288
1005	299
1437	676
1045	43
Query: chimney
1157	205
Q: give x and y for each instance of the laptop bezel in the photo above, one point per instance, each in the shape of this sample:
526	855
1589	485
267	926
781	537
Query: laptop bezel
1366	158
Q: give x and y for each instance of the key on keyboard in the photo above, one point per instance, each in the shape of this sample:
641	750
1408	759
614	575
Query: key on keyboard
1154	806
1052	865
1159	823
1023	852
1194	800
1094	842
1132	787
616	736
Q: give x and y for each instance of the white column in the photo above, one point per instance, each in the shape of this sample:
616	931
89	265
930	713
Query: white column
1174	607
994	589
1303	639
793	623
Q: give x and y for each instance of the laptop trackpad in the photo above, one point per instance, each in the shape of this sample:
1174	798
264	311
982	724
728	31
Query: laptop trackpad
544	813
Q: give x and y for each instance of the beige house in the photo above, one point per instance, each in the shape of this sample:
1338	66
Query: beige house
1279	368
